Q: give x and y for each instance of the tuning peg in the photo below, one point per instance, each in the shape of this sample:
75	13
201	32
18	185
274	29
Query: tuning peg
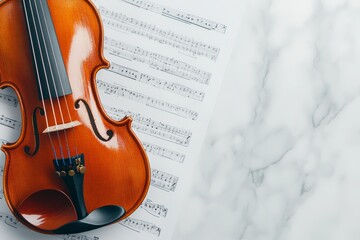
82	169
71	173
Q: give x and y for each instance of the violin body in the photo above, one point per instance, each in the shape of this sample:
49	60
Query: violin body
63	136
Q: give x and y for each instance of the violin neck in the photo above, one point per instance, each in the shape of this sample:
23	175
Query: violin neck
52	80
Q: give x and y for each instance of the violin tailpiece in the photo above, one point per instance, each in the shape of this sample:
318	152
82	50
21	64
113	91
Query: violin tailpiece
58	101
72	171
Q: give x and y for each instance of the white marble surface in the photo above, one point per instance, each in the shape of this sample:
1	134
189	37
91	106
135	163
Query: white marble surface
282	155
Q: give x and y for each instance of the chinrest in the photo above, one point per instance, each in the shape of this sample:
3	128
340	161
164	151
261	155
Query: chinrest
99	217
47	209
57	213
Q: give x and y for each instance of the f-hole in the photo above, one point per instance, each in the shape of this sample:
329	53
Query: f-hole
109	133
36	133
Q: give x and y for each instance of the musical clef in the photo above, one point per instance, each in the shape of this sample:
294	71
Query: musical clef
121	22
153	128
157	61
156	82
120	91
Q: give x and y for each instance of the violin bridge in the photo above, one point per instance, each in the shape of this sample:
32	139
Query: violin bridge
61	127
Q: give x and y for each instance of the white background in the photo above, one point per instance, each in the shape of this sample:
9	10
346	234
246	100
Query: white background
281	159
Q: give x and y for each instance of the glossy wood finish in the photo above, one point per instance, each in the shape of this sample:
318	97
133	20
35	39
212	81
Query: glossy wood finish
118	171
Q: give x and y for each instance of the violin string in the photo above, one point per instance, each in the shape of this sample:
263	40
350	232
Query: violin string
38	78
52	74
62	87
48	87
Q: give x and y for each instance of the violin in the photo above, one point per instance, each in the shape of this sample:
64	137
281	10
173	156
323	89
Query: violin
73	169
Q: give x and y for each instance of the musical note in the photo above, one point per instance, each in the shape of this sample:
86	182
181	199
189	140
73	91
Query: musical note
156	82
154	209
121	22
13	222
157	61
163	180
163	152
178	15
9	220
9	100
154	128
78	237
10	123
141	226
164	62
119	91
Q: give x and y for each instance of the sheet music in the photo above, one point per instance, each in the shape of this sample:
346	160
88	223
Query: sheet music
167	59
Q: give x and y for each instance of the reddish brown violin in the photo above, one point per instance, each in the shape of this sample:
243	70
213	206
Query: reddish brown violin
73	169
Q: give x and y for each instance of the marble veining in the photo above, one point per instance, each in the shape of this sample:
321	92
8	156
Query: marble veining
281	157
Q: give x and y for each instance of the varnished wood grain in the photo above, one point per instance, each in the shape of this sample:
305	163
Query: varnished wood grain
118	171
